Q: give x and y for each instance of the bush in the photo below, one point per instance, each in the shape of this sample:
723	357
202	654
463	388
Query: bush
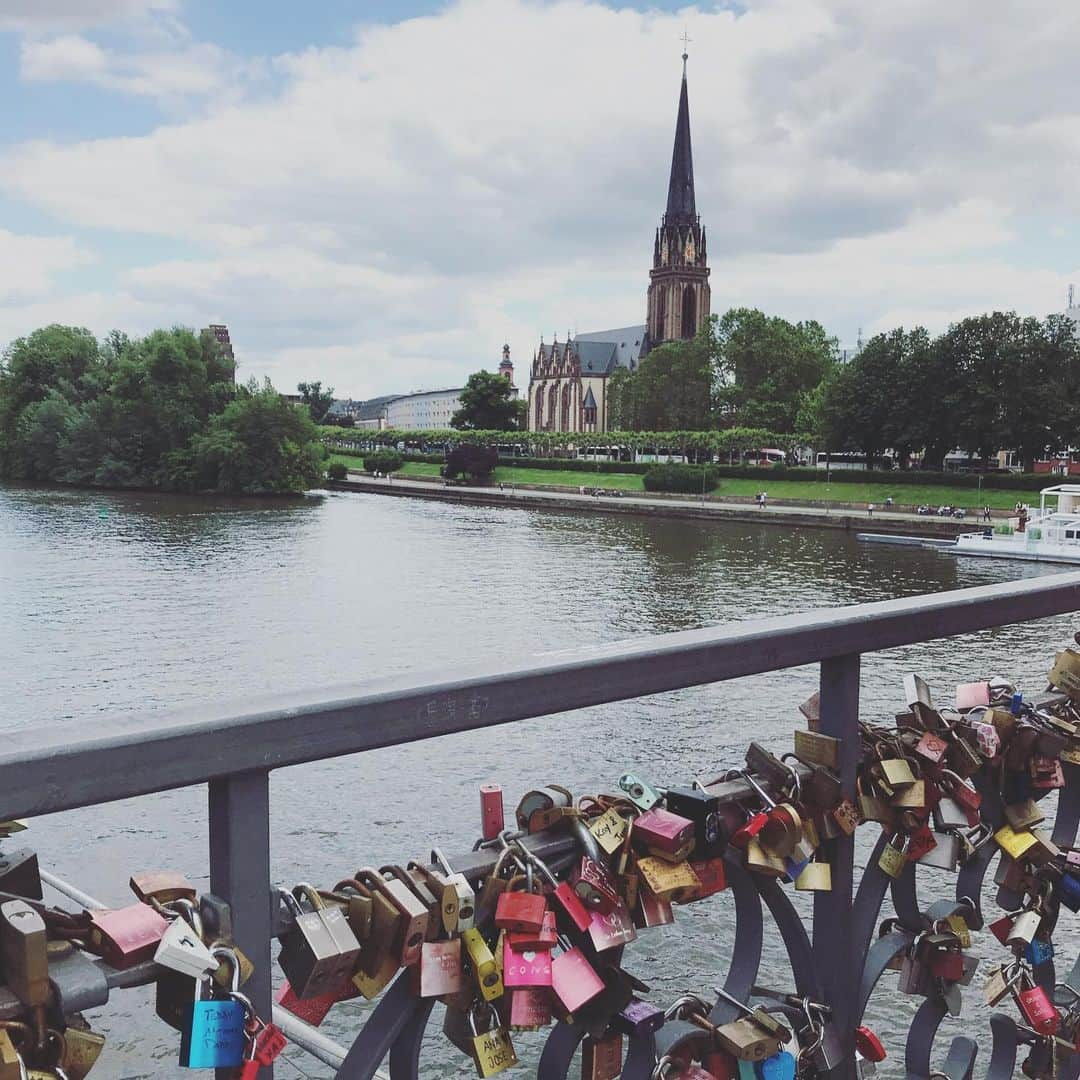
383	461
476	462
337	470
686	479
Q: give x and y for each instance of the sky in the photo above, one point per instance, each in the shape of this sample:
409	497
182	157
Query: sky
379	195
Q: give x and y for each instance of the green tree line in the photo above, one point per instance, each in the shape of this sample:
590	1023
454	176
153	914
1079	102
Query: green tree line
990	382
161	411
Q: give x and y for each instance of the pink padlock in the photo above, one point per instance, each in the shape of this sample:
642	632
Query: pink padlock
127	936
530	1007
438	970
609	929
573	980
987	737
526	967
972	694
661	829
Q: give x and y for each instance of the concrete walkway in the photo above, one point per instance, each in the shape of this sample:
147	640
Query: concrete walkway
663	506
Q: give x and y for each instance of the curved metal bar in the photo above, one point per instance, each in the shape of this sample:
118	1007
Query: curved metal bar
1068	811
873	885
906	901
920	1041
969	882
386	1022
960	1064
877	960
992	809
559	1051
794	935
640	1058
405	1053
675	1034
746	956
1003	1055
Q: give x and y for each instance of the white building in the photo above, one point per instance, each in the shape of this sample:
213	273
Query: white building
1072	308
430	410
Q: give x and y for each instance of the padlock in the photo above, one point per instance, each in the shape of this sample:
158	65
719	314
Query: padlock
1038	951
456	890
972	695
869	1045
482	962
265	1044
356	901
1023	816
1038	1010
931	747
380	954
745	1040
921	841
761	861
544	938
651	910
945	854
813	748
519	910
439	970
1068	892
1024	928
565	898
412	928
181	949
594	884
663	831
13	1036
703	809
127	936
80	1048
20	874
214	1035
421	887
958	925
574	982
530	1008
491	811
162	886
542	799
1016	843
671	882
892	859
601	1059
780	1066
611	929
1046	773
314	1010
526	967
24	949
610	830
949	814
987	738
492	1050
871	808
320	950
638	1018
643	795
997	985
711	875
846	815
816	877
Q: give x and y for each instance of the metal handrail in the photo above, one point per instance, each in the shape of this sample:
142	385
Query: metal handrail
233	750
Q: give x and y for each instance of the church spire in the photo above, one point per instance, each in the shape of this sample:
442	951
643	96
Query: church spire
680	199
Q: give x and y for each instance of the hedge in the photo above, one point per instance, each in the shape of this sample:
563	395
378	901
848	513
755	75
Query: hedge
337	470
384	461
685	479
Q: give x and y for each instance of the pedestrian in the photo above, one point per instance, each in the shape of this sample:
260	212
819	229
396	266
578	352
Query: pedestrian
764	499
581	490
869	509
986	512
757	499
888	502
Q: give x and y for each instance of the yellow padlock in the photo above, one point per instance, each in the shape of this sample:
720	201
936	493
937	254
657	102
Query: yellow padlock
1014	843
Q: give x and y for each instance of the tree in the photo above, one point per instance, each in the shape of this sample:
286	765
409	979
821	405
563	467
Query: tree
474	461
670	390
260	444
316	399
766	367
488	404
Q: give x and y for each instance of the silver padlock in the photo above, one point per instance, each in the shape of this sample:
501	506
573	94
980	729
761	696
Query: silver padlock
1024	928
949	814
945	855
466	896
971	965
181	949
829	1051
864	1068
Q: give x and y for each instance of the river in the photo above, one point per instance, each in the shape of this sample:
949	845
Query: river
120	603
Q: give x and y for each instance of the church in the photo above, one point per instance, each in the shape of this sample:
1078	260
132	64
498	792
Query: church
568	380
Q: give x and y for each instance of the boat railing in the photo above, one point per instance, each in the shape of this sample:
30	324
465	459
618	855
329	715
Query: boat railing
232	750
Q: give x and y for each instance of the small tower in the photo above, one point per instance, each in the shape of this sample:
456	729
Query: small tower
506	368
679	294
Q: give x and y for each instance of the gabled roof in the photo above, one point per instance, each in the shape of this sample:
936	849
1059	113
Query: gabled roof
590	399
628	342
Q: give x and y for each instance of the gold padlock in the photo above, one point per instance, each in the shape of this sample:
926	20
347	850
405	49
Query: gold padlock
761	861
493	1051
816	877
892	859
1015	843
674	882
897	772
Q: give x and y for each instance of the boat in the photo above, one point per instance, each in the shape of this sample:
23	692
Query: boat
1051	534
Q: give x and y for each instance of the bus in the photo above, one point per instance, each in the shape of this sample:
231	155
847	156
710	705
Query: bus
768	456
844	460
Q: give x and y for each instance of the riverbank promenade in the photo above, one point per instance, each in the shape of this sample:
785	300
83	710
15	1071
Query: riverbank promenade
673	506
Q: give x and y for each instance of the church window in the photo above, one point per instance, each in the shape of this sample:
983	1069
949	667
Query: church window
689	312
552	402
539	423
565	425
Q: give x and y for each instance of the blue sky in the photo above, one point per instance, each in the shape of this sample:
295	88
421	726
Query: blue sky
381	194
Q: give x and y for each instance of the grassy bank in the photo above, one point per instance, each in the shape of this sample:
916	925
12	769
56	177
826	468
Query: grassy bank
903	495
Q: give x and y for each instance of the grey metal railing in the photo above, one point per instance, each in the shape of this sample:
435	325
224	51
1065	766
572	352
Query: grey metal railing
47	770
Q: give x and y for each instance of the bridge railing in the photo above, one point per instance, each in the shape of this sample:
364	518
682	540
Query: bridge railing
46	770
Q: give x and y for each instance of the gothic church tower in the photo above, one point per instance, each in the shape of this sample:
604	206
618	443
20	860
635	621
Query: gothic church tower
679	293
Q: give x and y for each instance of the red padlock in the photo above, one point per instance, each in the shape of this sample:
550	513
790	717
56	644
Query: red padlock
712	876
572	907
931	747
947	965
869	1045
517	910
1038	1009
610	929
127	936
741	837
526	967
921	841
491	810
1001	928
594	883
313	1010
546	937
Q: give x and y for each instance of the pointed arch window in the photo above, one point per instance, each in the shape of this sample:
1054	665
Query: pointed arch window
552	404
689	312
538	424
565	419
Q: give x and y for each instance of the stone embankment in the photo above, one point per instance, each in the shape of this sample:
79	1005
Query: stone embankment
669	506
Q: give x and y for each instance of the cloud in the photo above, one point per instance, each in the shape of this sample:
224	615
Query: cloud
48	15
397	207
30	265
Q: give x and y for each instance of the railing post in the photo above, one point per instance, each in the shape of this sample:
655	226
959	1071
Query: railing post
834	951
239	815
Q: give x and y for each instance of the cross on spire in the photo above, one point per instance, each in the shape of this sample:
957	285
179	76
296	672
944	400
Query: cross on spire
685	39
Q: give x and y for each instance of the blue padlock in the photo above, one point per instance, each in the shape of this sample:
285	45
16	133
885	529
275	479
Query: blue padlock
1069	892
1016	704
1038	952
793	868
213	1035
780	1066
